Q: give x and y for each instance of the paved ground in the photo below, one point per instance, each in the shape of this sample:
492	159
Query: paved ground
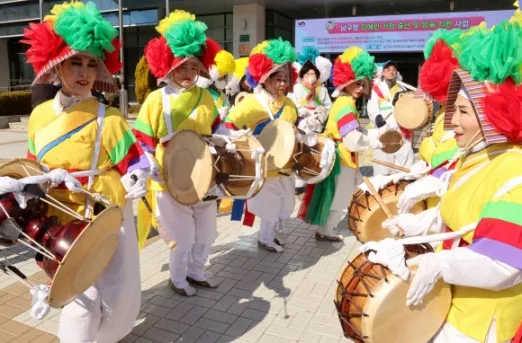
263	297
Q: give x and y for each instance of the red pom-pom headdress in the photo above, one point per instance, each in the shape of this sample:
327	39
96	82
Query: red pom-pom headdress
73	29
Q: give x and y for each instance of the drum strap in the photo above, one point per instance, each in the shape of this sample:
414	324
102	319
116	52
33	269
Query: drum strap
263	103
95	157
166	110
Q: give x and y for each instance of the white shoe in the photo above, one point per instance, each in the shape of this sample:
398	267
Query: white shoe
207	282
185	290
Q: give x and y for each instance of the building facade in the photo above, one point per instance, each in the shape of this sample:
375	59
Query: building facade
237	25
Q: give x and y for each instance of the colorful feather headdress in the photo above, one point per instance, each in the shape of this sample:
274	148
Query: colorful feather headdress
71	29
311	55
354	64
232	87
268	57
218	62
182	37
487	64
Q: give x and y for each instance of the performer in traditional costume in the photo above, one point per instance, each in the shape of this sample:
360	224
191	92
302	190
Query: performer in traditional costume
310	95
324	204
181	105
220	64
484	197
434	82
77	47
270	73
238	82
380	111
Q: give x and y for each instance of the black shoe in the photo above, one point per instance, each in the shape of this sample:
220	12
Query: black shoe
300	190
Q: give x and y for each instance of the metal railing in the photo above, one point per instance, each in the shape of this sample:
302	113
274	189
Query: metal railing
11	85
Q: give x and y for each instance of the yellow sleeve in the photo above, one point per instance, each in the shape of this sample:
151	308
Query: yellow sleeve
245	114
147	125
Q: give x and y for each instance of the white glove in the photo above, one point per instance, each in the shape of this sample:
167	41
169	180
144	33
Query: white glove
419	167
304	112
389	253
378	181
155	173
236	134
10	185
59	176
419	190
135	183
425	279
40	307
420	224
223	111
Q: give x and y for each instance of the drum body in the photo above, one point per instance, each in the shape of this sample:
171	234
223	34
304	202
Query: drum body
392	141
365	217
81	249
209	170
308	166
413	113
371	303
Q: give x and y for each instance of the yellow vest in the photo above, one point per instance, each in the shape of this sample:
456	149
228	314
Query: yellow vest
67	141
192	110
473	309
342	106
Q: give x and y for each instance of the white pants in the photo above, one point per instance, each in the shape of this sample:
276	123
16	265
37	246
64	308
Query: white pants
448	334
107	311
275	202
345	185
194	228
403	158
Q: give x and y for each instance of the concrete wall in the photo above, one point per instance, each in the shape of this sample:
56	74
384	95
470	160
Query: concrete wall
4	64
248	20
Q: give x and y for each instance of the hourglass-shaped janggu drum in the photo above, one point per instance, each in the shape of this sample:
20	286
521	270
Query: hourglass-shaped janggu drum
73	254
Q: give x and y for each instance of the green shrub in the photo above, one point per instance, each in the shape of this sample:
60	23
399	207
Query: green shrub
15	103
144	80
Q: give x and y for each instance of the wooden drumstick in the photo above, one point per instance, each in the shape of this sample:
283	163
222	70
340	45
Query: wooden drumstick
379	200
170	242
377	197
391	165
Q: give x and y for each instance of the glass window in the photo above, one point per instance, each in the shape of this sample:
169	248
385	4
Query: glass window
229	34
134	18
229	47
216	34
229	17
12	29
217	20
19	11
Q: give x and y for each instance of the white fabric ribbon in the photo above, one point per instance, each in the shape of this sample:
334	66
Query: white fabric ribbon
308	138
40	306
10	185
327	159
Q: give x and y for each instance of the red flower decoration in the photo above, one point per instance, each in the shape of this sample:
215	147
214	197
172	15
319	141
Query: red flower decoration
159	57
259	65
45	45
503	109
112	59
435	75
294	76
209	53
342	73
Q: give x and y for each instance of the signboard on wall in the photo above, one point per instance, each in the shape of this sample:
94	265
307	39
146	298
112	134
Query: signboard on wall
244	45
395	33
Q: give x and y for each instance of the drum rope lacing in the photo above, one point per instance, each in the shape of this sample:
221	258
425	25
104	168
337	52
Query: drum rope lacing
256	155
327	156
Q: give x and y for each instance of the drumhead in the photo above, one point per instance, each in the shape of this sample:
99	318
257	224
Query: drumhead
18	169
392	141
366	217
87	258
390	320
15	168
278	139
188	167
411	113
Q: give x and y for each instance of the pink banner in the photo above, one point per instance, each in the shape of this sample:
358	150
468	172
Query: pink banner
404	25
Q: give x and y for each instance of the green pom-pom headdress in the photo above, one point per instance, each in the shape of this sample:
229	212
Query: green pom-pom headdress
71	29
